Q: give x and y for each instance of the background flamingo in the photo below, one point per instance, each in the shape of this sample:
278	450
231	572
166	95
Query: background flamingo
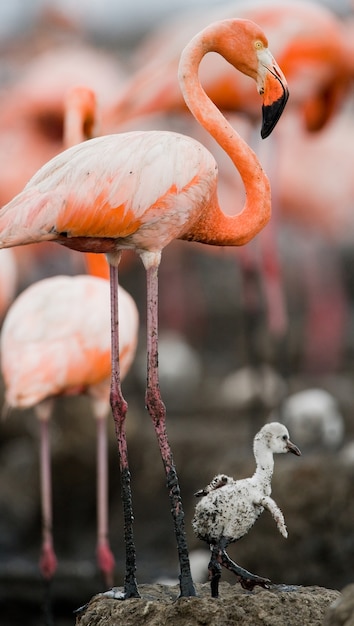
148	222
32	120
55	340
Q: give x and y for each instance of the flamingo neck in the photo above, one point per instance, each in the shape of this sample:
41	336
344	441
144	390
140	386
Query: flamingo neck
264	469
97	265
80	116
217	228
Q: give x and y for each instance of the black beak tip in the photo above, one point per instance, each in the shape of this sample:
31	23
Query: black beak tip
294	449
271	114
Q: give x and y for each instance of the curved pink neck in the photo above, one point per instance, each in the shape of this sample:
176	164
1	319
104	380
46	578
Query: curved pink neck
218	228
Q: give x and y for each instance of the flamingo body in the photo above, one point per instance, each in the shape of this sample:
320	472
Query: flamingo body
51	344
112	182
229	508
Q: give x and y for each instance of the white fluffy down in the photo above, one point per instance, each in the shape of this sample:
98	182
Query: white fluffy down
229	508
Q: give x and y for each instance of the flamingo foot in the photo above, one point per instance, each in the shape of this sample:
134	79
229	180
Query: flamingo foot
130	584
219	557
186	584
48	560
105	562
246	579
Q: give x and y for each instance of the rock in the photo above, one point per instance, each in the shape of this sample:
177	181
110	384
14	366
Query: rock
159	605
341	611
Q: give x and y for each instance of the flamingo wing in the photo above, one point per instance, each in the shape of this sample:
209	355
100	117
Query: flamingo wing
117	184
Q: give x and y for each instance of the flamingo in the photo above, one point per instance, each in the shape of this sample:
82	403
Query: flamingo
229	508
32	120
140	190
55	340
80	115
33	107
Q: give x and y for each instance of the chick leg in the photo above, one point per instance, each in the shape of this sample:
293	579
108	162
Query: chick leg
247	580
214	568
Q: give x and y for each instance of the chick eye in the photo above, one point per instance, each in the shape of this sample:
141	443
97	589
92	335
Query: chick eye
285	437
258	45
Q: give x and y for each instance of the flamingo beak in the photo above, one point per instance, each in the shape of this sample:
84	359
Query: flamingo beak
274	88
293	448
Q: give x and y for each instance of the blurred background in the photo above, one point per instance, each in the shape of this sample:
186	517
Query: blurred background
247	335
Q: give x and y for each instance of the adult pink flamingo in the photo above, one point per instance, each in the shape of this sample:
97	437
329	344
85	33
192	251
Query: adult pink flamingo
55	341
141	190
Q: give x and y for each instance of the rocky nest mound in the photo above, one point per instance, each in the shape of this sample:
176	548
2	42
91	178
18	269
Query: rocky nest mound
160	605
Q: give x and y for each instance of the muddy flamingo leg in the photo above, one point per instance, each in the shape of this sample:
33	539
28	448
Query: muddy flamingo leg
105	558
157	411
119	410
48	560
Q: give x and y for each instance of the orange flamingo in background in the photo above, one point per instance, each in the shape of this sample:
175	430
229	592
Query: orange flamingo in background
32	114
55	340
141	190
32	120
80	115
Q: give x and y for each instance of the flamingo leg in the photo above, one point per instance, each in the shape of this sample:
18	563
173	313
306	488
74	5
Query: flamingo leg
48	560
119	410
157	411
246	578
214	568
105	558
220	557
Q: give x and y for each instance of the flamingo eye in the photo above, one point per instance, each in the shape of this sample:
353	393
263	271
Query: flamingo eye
285	437
258	45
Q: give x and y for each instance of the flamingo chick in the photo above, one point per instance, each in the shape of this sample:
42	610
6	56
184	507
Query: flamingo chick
229	508
140	191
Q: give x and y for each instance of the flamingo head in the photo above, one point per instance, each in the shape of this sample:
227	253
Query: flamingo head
243	44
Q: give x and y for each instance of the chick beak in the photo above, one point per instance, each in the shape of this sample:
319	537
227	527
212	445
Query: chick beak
293	448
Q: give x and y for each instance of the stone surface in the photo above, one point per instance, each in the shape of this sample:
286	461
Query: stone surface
341	611
290	606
